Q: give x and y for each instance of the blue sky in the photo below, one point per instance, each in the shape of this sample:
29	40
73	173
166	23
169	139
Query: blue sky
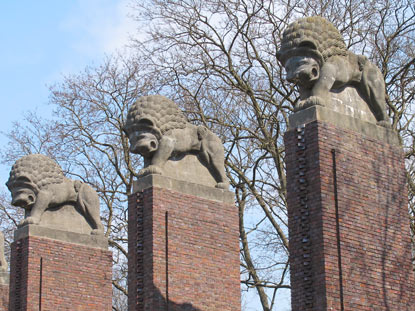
45	39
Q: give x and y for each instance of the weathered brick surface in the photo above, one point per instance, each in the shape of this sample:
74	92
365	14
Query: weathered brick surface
51	275
203	253
374	272
4	297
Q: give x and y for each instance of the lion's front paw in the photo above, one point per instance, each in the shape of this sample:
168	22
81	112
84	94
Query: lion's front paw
151	169
311	101
29	220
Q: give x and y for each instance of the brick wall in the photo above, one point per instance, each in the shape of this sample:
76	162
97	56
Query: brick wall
51	275
201	270
352	253
4	297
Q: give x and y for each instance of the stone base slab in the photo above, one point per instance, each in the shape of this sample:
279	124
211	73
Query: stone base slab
320	113
185	187
96	241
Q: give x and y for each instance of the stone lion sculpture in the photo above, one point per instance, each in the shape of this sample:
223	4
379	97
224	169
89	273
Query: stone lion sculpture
315	57
158	130
37	183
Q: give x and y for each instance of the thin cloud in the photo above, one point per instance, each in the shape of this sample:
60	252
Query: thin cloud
100	26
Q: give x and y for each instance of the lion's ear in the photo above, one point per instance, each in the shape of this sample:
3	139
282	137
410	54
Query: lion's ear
146	122
309	44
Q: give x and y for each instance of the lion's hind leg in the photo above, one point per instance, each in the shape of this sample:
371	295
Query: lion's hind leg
372	88
213	155
88	201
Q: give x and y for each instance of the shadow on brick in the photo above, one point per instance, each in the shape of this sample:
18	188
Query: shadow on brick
160	303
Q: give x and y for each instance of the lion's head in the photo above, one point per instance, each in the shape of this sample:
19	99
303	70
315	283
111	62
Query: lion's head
29	175
148	119
311	36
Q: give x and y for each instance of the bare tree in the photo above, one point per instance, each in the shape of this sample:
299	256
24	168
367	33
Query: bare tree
216	59
86	138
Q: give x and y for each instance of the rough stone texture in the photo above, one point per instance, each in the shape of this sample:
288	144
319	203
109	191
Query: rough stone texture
38	185
66	218
95	241
347	101
201	270
158	130
194	189
315	57
3	262
178	168
4	278
59	275
361	256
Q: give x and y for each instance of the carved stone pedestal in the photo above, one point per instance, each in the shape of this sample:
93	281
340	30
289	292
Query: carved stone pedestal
183	247
348	215
59	270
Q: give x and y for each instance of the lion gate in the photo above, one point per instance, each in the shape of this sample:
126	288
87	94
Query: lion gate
183	228
350	245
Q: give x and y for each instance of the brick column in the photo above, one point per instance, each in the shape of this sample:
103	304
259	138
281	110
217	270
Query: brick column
348	215
4	297
183	247
59	270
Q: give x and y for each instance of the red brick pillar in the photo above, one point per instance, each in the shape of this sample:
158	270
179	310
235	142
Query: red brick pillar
4	296
183	247
348	215
59	270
